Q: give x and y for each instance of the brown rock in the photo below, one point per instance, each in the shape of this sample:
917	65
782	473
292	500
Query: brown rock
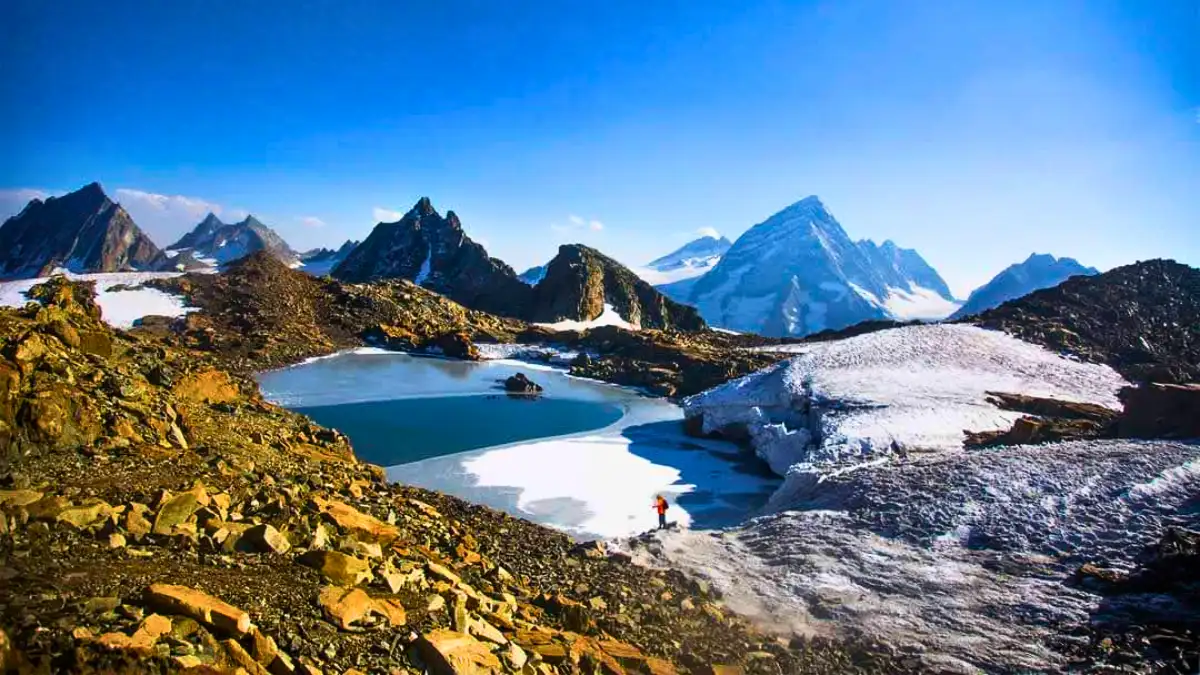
351	519
448	652
262	539
175	511
242	658
263	647
82	517
200	606
338	567
208	386
19	497
1160	411
457	345
344	606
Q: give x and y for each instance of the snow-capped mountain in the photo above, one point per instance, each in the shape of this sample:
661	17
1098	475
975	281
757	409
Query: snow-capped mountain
533	275
1037	272
798	273
321	261
213	242
82	231
688	261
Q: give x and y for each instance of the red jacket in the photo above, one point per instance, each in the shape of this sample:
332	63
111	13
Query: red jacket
660	505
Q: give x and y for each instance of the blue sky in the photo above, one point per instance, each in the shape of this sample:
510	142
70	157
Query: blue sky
974	132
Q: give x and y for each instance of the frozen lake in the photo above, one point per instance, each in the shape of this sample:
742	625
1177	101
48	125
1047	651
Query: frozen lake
585	457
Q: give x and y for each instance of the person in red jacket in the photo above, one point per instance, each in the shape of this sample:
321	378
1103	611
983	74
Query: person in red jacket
660	505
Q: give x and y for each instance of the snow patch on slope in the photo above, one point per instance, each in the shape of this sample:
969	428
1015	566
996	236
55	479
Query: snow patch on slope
119	308
846	401
609	317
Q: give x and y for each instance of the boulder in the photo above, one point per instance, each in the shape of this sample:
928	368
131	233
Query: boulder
341	569
448	652
207	386
354	521
519	384
1160	411
175	511
202	607
263	539
456	345
347	606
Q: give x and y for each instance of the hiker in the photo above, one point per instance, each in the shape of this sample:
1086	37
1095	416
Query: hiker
660	505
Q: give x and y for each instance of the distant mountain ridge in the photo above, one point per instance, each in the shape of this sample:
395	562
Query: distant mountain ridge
1038	271
798	273
434	252
218	243
82	231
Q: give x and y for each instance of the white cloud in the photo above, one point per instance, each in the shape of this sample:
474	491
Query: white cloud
166	217
709	232
577	225
311	221
383	215
12	200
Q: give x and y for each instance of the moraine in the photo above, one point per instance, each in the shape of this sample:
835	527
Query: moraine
584	457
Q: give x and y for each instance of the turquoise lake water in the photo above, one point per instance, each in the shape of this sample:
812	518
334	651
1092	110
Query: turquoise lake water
407	430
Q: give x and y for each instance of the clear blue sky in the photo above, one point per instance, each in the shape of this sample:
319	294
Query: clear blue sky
974	132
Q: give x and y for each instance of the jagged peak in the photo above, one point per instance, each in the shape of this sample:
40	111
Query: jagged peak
251	221
211	219
423	207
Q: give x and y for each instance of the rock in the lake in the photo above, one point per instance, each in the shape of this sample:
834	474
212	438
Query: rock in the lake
520	384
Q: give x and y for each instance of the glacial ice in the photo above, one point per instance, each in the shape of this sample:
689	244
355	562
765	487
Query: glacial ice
119	308
846	401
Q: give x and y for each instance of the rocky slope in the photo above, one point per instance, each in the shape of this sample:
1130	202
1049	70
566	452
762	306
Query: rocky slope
580	281
433	251
156	515
83	231
261	314
1036	273
1141	319
218	243
799	273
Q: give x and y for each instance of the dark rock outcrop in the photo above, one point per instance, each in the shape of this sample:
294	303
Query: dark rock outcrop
434	252
519	384
580	281
1160	411
1141	319
83	231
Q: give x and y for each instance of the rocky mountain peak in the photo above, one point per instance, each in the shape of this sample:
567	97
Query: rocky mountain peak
83	231
581	282
423	207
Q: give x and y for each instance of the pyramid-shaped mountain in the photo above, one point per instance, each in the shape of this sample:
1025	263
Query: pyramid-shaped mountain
82	231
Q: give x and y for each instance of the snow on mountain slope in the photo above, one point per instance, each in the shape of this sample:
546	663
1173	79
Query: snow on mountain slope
609	317
688	261
120	308
533	275
845	401
214	241
799	273
1036	273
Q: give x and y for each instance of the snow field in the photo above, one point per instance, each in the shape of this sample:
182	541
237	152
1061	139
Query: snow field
119	308
921	386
